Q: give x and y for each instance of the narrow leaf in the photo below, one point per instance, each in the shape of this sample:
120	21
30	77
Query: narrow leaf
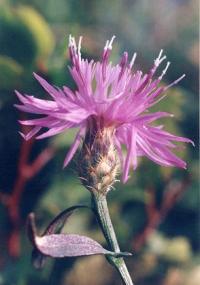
62	245
55	226
59	221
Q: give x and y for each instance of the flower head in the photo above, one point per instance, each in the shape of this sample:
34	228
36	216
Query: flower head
115	97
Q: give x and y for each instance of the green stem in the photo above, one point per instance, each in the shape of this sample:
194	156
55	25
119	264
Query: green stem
101	208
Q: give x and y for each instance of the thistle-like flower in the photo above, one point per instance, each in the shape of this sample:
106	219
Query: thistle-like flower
110	109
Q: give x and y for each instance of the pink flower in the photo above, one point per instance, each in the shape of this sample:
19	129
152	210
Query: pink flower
115	96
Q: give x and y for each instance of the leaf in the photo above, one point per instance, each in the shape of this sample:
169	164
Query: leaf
68	245
59	221
63	245
56	225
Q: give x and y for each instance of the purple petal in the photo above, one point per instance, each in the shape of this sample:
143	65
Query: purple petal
73	116
74	146
149	152
168	155
41	122
49	88
151	117
119	150
169	136
146	133
31	101
131	154
53	131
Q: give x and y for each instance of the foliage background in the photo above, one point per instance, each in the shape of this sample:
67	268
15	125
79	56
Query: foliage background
33	37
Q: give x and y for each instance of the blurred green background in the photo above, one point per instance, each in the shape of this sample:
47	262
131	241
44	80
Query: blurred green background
156	213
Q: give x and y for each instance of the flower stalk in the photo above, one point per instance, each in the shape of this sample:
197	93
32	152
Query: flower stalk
99	203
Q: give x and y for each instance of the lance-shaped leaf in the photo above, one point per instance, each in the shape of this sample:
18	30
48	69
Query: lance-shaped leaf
59	221
66	245
55	226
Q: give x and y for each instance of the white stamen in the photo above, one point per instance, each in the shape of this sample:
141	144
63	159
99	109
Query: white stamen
163	58
164	71
175	82
158	60
111	42
72	42
133	60
79	47
161	51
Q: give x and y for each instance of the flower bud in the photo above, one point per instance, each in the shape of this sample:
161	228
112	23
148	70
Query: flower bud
98	159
